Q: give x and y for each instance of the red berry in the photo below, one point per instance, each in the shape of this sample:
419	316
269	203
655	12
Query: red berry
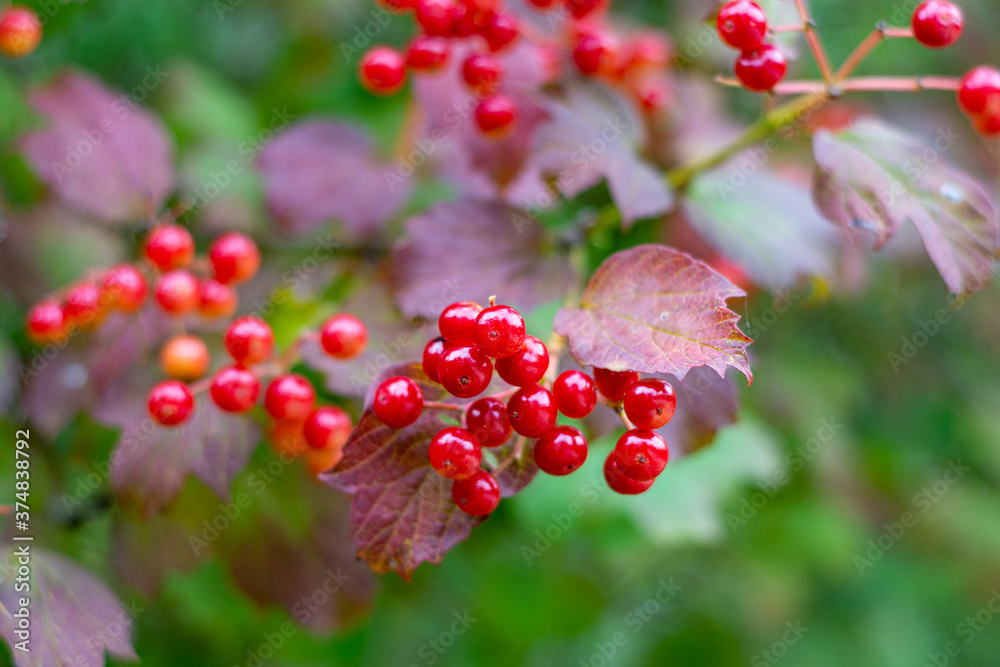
435	16
650	403
760	70
344	336
46	323
988	126
249	340
455	453
398	402
543	4
458	322
327	427
527	365
477	495
613	384
560	450
85	306
288	438
531	411
937	24
216	299
235	389
465	22
125	287
465	371
500	331
649	50
428	54
483	73
170	247
20	32
582	8
290	397
382	71
595	52
432	357
653	92
185	358
235	258
496	116
619	481
177	292
575	394
501	31
641	454
742	25
171	403
487	420
979	92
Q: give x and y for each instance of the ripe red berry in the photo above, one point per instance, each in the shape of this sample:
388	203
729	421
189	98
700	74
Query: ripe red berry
487	420
185	358
560	450
613	384
619	481
319	461
344	336
235	389
398	402
543	4
85	307
46	323
527	365
249	340
170	247
653	93
290	397
457	322
177	292
987	125
455	453
216	300
435	16
979	91
171	403
937	24
501	31
477	495
760	70
20	32
649	50
125	288
581	8
742	25
500	331
650	403
531	411
596	52
483	73
641	454
575	394
496	116
382	71
465	371
428	54
235	258
327	427
432	357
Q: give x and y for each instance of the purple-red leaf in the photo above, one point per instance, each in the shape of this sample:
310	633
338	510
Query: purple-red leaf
653	309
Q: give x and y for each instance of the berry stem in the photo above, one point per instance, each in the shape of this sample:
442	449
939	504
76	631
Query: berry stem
515	455
780	29
812	38
895	84
625	420
881	33
443	406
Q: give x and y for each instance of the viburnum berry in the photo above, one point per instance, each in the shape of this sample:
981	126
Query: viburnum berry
435	16
20	31
235	258
613	384
288	438
84	306
653	93
619	481
290	397
398	402
465	371
543	4
762	69
344	336
649	49
235	389
216	299
596	52
457	322
650	403
249	340
641	454
427	53
455	453
582	8
531	411
171	403
527	365
170	247
483	73
185	358
382	71
988	126
477	495
432	357
501	31
575	394
500	331
496	116
560	450
327	427
979	91
487	420
742	24
937	24
319	461
177	292
125	288
46	322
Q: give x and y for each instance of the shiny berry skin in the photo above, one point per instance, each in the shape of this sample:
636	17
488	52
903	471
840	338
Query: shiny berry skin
435	16
561	450
249	340
170	247
20	32
500	331
762	69
125	288
650	403
432	357
477	495
457	322
344	336
937	24
382	71
641	454
979	91
575	394
46	322
171	403
526	366
455	453
235	389
216	299
531	411
465	371
595	52
84	306
581	8
185	358
177	292
619	481
742	25
487	420
327	427
428	54
496	116
235	258
613	384
398	402
483	73
501	31
290	397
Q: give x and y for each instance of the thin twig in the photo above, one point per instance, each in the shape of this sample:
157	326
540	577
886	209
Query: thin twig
812	38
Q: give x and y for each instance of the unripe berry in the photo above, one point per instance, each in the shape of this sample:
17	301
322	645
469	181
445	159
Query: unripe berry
465	371
290	397
20	32
432	357
500	331
454	453
428	54
125	288
560	450
170	247
382	71
496	116
216	300
762	69
650	403
531	411
249	340
477	495
613	384
328	427
526	366
641	454
319	461
46	322
937	24
177	292
487	420
344	336
185	358
575	394
619	481
979	92
287	438
483	73
398	402
457	322
85	307
742	25
171	403
235	389
235	258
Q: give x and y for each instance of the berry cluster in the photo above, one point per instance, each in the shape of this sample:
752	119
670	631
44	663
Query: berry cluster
20	31
742	24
